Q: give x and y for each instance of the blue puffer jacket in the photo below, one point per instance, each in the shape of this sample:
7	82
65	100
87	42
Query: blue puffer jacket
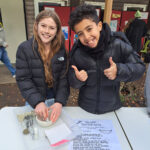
98	94
30	75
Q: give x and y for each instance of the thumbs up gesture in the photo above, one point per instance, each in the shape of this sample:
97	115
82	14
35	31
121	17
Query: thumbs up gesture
80	75
111	72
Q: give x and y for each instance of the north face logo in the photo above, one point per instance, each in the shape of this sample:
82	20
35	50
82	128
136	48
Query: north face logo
61	58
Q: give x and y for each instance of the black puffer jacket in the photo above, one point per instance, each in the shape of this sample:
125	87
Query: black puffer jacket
136	30
98	94
30	74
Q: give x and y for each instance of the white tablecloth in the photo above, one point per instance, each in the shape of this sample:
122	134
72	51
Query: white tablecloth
11	136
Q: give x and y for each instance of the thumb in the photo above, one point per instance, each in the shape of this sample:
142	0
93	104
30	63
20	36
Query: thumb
75	68
111	61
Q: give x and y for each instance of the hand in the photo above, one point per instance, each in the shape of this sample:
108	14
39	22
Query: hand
111	72
80	75
56	111
41	110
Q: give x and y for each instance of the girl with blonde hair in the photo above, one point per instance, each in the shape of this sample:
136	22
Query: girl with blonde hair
41	66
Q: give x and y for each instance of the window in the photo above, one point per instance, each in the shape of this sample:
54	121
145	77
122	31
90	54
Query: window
39	3
101	4
134	7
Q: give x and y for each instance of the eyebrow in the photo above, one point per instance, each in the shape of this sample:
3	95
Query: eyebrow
49	26
85	28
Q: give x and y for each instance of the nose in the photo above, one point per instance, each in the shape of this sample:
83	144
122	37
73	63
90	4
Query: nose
46	29
86	35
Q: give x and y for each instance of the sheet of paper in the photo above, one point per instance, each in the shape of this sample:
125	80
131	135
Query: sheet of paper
96	135
113	25
58	133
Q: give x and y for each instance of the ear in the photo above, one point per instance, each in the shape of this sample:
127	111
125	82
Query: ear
99	26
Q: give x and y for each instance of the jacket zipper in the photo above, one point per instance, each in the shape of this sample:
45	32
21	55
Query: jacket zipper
38	55
98	86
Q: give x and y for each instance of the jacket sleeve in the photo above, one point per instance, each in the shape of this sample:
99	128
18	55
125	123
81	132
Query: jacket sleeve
145	29
24	78
2	43
63	88
132	67
2	38
74	82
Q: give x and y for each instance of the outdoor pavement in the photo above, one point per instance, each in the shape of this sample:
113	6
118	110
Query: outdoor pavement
9	92
5	75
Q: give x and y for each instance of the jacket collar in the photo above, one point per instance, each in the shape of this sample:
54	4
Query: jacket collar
34	47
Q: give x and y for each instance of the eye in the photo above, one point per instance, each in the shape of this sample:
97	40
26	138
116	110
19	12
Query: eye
52	28
89	29
80	34
43	25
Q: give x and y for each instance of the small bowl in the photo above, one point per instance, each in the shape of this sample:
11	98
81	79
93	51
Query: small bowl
43	123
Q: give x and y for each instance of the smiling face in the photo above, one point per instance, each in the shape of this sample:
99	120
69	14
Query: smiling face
88	32
47	30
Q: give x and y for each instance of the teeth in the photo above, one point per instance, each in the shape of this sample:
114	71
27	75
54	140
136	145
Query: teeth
91	42
46	36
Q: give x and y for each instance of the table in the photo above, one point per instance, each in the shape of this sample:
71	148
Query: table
136	125
12	138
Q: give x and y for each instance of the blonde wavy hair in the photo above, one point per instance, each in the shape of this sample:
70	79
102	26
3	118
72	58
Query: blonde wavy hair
55	45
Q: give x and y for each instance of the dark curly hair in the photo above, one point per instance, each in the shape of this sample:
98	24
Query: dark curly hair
83	12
